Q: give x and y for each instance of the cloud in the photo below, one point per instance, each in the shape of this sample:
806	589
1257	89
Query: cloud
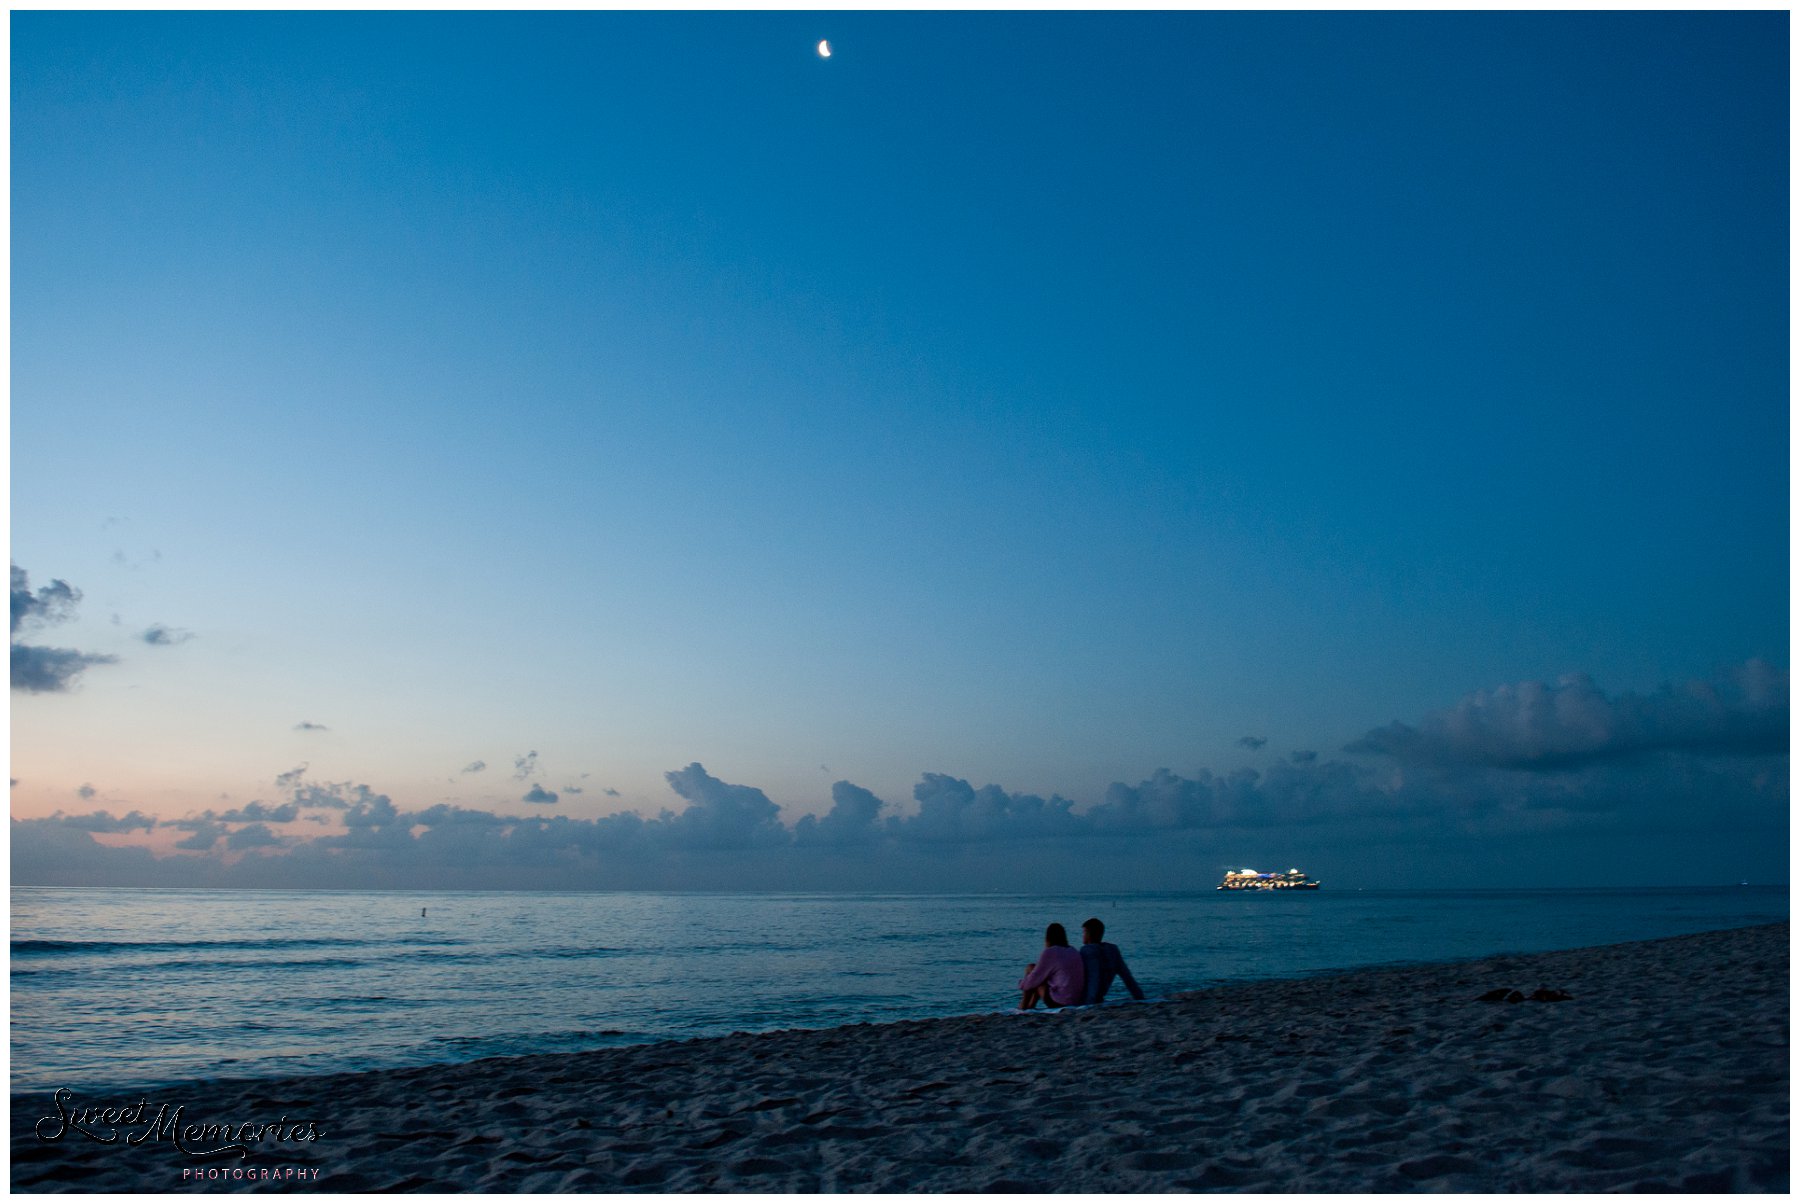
474	767
290	779
537	794
307	725
162	636
57	853
314	796
102	821
1304	756
851	820
86	791
254	836
1164	801
722	816
525	766
260	812
609	792
1540	727
951	810
1252	742
444	814
37	669
1286	796
206	835
366	809
51	604
572	790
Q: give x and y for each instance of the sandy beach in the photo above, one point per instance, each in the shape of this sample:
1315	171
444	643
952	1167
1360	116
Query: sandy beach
1666	1069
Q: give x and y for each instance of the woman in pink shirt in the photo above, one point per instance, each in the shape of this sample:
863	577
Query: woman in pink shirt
1056	977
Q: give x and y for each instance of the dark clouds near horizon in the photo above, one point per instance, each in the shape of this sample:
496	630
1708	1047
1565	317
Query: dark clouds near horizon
1542	727
1558	770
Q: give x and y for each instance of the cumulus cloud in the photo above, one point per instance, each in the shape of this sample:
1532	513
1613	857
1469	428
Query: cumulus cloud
86	791
1541	727
1287	796
290	779
474	767
307	725
951	810
315	796
446	814
252	836
102	821
722	815
1252	742
609	792
260	812
159	635
851	820
525	766
51	604
367	809
40	670
537	794
37	669
206	835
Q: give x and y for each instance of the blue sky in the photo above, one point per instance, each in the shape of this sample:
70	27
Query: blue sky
1034	399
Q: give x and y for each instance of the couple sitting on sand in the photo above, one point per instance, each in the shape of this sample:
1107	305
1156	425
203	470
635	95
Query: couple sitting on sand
1062	978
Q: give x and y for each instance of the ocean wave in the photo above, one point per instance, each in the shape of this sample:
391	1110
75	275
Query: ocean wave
44	948
530	952
310	963
526	1040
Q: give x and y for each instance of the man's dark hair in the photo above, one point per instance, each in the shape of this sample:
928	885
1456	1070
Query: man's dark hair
1055	935
1096	925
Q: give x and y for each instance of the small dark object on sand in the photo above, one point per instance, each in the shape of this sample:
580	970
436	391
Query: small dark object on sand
1541	995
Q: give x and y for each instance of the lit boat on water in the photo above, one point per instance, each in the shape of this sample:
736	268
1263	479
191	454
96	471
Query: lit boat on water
1251	880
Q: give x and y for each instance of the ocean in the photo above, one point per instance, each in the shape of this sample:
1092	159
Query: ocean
144	988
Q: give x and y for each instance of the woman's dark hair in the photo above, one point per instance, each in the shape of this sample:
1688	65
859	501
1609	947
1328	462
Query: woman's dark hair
1054	935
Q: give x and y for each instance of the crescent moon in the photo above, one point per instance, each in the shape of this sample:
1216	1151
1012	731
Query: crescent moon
824	49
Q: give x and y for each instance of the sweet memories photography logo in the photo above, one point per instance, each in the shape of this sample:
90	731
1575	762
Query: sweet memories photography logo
136	1125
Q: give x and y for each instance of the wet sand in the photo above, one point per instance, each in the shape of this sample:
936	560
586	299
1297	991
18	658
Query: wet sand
1665	1070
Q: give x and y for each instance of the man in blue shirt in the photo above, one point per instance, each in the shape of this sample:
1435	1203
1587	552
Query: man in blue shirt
1102	961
